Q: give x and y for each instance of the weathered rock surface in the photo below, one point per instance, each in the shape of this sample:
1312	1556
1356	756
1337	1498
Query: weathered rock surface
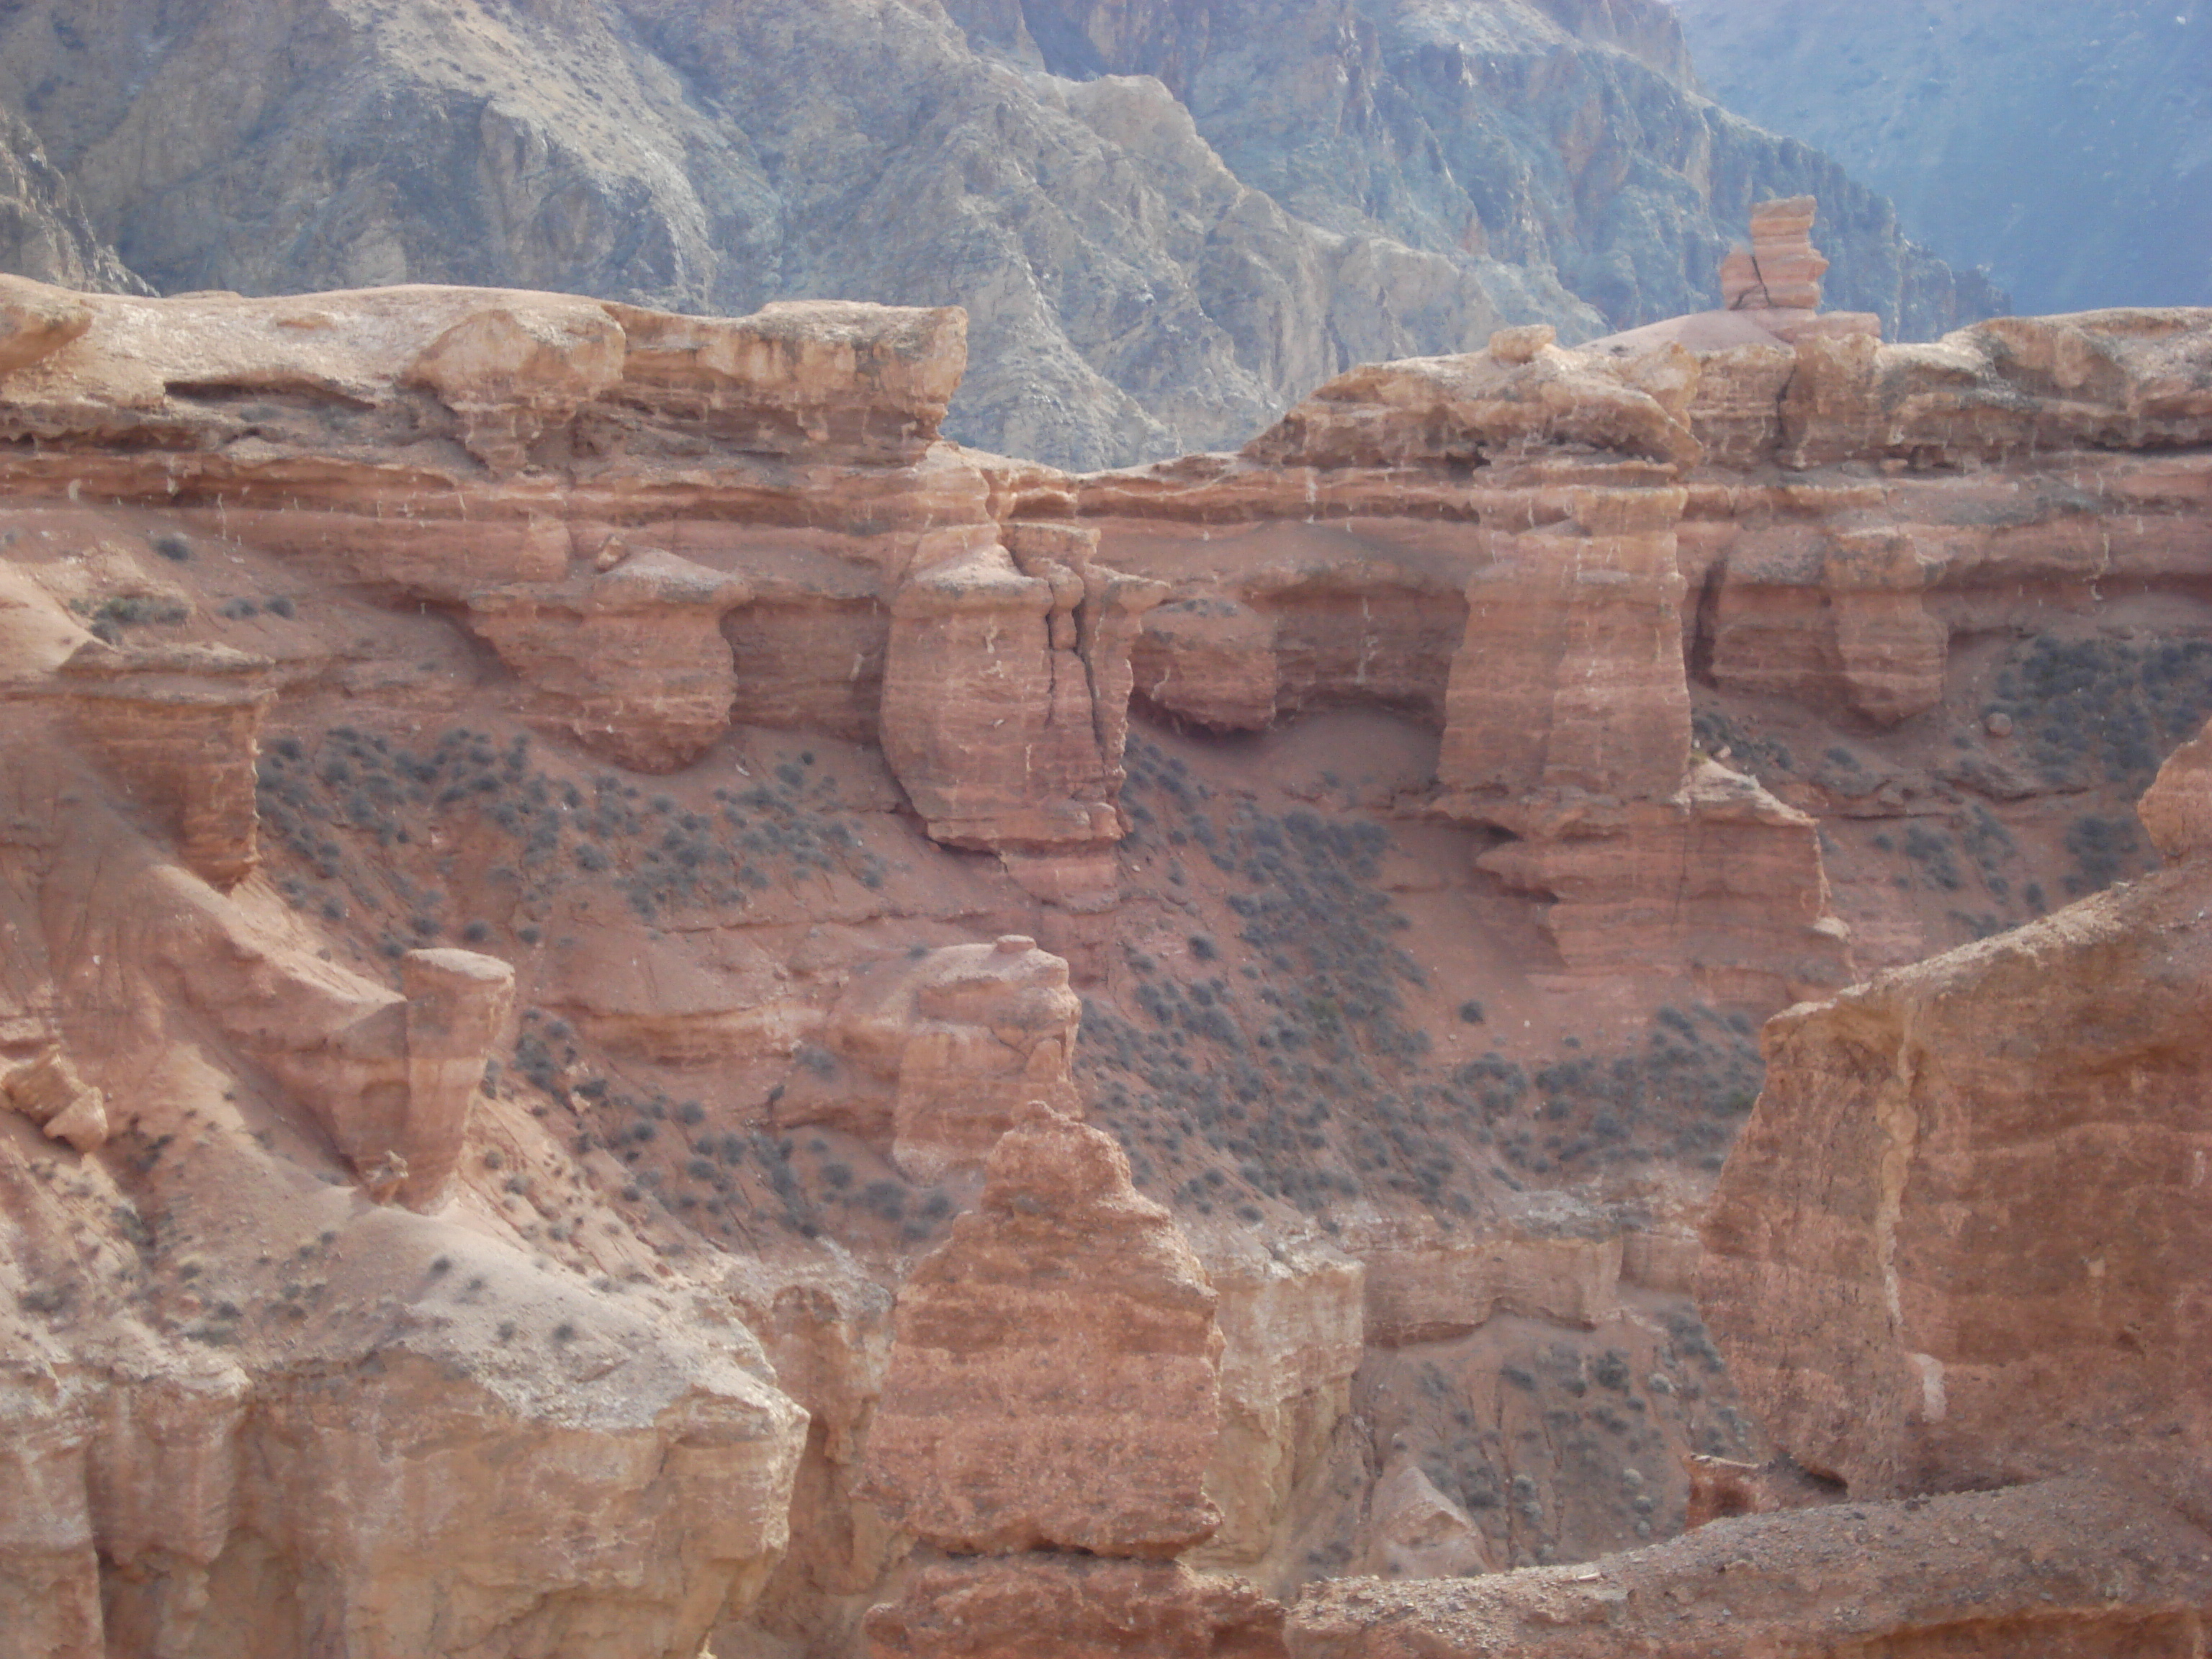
181	730
1092	1609
941	1051
1148	215
206	1452
2061	1567
1293	1332
1007	690
633	658
1953	1246
1780	270
1054	1379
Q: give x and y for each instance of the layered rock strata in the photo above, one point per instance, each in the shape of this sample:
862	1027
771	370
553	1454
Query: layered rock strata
180	728
1503	531
935	1057
1951	1253
1982	1287
1053	1397
358	1464
1055	1378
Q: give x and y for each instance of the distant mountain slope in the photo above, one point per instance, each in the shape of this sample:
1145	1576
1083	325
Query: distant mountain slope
2066	145
1167	221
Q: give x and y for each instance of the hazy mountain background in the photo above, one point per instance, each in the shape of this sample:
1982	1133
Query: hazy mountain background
2065	144
1167	218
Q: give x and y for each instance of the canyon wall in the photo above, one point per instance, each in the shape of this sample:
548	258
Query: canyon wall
583	889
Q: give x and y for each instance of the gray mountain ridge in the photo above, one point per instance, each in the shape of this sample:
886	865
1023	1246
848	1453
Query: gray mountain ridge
1167	221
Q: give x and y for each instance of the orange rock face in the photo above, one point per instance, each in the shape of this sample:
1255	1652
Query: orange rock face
1054	1379
2065	1567
1953	1245
1074	1607
1781	270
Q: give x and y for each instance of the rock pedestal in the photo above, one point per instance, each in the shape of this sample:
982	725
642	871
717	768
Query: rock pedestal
1781	270
1055	1387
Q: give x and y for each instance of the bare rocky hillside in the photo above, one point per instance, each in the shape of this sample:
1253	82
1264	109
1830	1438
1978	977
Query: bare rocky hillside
1166	222
2066	145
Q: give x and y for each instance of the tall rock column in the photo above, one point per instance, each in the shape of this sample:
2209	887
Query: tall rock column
1570	675
1053	1400
1006	687
1568	726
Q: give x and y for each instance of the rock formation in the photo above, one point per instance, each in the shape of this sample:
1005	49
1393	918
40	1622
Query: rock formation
1225	271
941	1051
633	655
181	728
408	1093
1939	1263
1983	1292
1054	1379
1053	1398
1006	685
1781	270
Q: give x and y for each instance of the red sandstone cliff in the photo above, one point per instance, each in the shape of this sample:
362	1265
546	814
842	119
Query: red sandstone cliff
546	844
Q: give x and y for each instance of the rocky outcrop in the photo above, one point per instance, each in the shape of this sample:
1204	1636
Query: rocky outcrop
45	233
1983	1282
47	1090
1053	1397
1719	876
181	730
935	1057
632	659
1006	688
1293	1333
1780	270
1424	1288
1547	488
244	1410
1055	1377
2066	1566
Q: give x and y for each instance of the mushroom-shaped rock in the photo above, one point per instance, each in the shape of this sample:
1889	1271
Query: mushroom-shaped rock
1056	1369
